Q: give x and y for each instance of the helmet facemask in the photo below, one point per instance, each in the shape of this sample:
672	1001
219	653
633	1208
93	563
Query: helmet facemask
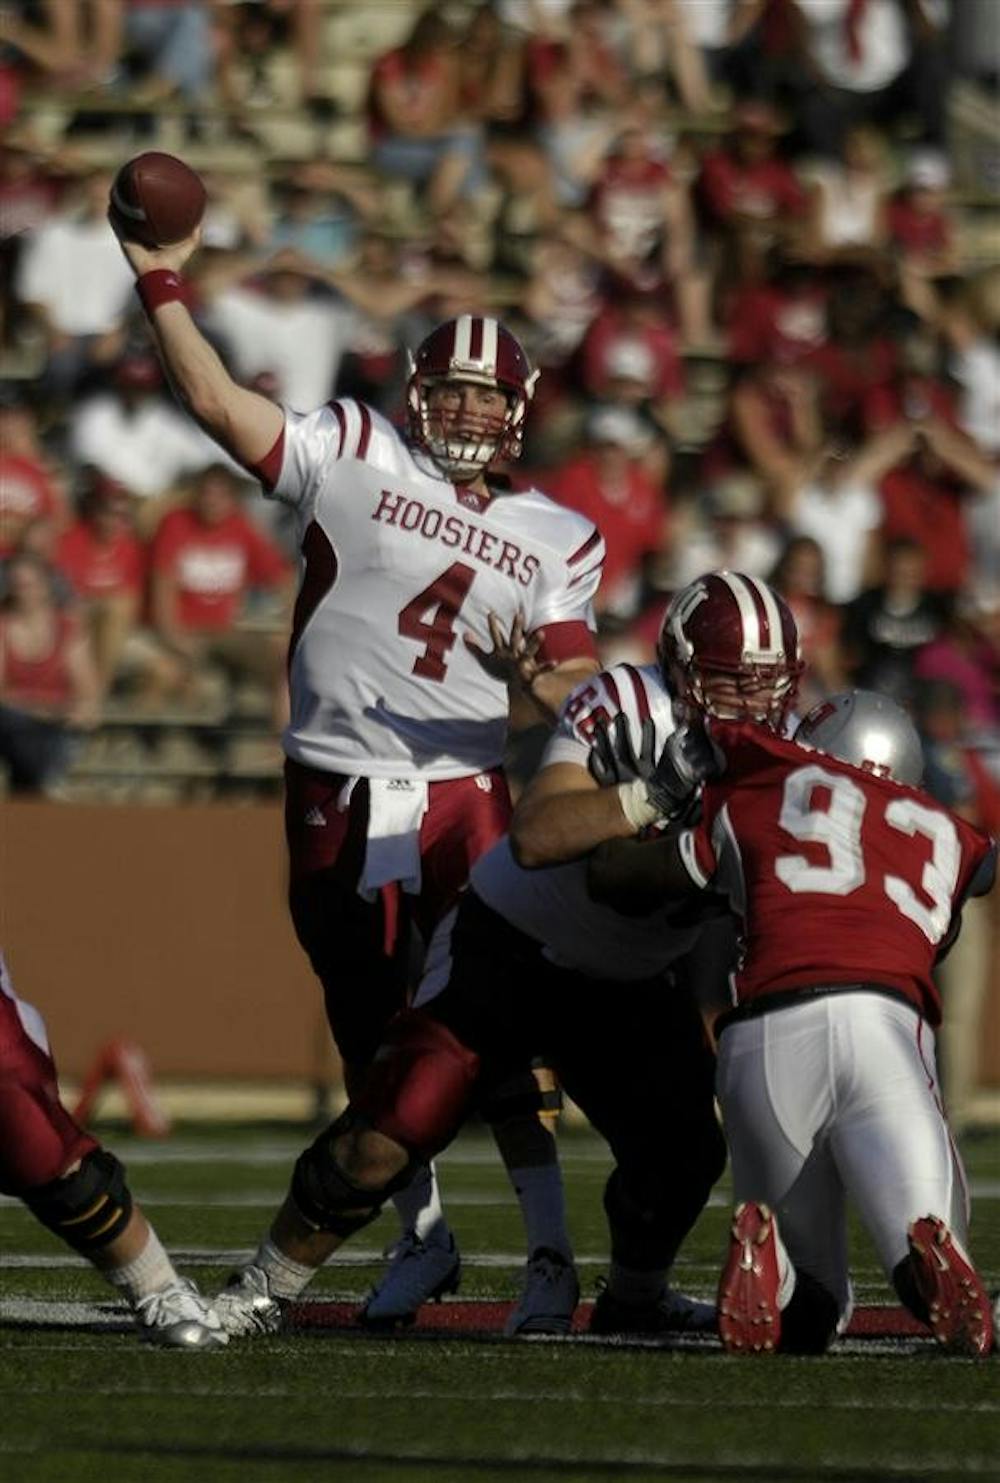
463	454
468	351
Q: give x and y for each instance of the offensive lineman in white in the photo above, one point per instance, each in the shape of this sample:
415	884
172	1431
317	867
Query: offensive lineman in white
414	567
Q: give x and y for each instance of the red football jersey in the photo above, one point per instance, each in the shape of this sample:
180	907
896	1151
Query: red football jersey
839	876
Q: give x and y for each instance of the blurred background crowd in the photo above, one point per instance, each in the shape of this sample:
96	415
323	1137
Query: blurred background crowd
751	244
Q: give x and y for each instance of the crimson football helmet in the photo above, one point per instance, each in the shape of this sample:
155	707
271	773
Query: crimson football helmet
471	348
729	647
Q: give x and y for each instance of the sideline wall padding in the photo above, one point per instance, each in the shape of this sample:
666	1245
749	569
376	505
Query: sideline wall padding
166	925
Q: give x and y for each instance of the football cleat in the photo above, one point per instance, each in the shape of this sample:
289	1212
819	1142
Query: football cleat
671	1313
549	1296
748	1314
417	1273
178	1317
245	1305
957	1304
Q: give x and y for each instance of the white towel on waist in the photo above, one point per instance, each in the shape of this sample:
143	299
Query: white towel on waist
396	807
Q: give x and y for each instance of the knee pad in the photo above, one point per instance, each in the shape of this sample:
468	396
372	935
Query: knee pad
531	1091
326	1197
88	1208
418	1089
810	1320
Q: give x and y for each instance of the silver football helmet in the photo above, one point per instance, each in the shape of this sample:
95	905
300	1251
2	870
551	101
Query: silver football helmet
867	729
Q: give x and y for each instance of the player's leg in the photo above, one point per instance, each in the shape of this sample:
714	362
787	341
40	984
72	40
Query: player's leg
467	817
412	1103
901	1167
78	1190
635	1058
785	1282
361	952
497	1000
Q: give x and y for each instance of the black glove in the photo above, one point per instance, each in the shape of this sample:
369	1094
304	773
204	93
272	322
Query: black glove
613	757
688	758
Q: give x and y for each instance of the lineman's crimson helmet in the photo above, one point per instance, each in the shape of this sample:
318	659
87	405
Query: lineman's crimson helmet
729	647
471	348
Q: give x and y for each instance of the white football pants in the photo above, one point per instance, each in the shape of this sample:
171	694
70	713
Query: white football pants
837	1097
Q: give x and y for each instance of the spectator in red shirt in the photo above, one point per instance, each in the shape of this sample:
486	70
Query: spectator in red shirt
925	498
782	319
749	195
630	356
28	491
105	562
608	483
48	685
640	225
207	557
921	229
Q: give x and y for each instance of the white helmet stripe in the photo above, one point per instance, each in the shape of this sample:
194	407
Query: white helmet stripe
745	590
489	350
766	596
463	339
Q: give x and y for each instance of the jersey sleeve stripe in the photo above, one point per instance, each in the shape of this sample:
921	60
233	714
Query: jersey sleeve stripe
582	576
594	539
641	698
570	640
268	469
614	694
366	430
338	412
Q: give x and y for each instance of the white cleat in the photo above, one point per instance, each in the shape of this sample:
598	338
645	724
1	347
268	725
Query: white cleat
549	1297
178	1317
245	1305
417	1274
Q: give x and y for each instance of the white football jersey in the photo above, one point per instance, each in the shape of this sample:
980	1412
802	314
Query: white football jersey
552	904
401	565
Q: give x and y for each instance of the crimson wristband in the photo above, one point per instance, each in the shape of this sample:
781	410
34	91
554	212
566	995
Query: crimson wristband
161	286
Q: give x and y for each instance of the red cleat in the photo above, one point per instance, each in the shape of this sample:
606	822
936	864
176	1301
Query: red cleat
957	1302
749	1316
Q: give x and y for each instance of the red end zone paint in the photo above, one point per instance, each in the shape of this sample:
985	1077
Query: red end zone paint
459	1318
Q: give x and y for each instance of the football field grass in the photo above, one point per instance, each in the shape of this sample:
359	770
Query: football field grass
82	1398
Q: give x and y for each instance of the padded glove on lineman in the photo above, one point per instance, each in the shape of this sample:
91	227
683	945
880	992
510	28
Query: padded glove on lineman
613	757
687	759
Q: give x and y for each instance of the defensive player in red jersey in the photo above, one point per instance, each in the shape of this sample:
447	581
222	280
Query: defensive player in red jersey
78	1190
850	883
415	564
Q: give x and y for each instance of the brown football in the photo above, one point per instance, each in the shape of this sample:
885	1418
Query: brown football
157	200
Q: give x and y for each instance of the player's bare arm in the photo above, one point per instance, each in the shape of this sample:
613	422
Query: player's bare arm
563	814
245	424
635	876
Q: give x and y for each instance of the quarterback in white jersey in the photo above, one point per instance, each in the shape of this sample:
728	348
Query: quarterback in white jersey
426	590
401	564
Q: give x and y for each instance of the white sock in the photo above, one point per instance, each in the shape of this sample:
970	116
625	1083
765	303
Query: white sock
539	1189
147	1273
285	1278
636	1288
419	1209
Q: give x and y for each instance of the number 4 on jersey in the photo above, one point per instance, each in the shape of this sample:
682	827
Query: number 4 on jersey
429	619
